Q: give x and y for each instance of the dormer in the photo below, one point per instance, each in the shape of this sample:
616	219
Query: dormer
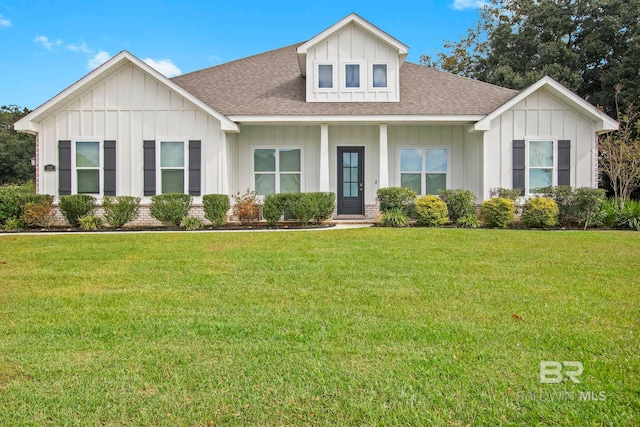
352	61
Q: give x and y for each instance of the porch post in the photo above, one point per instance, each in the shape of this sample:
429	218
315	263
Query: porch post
223	162
384	157
324	158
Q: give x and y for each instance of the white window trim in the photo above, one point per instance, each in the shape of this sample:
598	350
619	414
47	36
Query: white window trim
343	75
554	170
277	172
334	76
185	167
370	83
74	168
423	172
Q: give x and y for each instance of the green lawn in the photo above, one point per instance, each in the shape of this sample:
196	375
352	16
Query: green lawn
339	327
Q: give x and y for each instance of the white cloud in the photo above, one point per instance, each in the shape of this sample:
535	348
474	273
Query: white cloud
79	48
4	22
164	66
98	59
468	4
46	43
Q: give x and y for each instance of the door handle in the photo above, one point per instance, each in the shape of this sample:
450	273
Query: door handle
361	186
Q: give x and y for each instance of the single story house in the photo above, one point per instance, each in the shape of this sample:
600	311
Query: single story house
342	112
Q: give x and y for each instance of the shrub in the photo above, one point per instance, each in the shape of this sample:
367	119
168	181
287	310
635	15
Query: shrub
610	210
396	197
191	223
628	215
563	196
498	212
324	205
40	213
460	203
246	207
90	222
216	207
170	208
431	211
13	224
587	206
120	210
75	206
506	193
273	208
13	199
540	212
394	217
301	207
468	222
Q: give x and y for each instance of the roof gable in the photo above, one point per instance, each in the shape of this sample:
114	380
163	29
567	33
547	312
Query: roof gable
351	19
28	123
604	122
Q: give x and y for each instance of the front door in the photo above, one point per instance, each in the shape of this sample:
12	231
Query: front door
350	180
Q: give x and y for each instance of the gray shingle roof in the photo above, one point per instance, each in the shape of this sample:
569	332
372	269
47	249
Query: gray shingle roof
270	84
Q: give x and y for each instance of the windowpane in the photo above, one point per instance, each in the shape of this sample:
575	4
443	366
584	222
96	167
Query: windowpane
352	75
87	154
172	181
435	182
346	160
437	160
88	181
290	183
289	160
354	174
541	154
411	160
172	155
346	189
354	189
539	178
380	75
346	174
264	160
325	76
265	183
354	160
412	180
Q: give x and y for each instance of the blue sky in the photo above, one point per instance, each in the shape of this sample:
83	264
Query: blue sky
47	45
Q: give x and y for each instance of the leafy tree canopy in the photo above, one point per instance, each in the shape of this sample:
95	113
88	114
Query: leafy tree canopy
587	45
16	149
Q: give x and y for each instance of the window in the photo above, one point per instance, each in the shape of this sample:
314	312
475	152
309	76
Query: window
88	167
352	75
424	169
325	76
540	173
277	170
172	167
379	75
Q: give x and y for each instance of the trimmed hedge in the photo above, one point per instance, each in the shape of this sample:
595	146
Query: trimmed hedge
460	204
498	212
75	206
120	210
216	207
540	212
396	198
431	211
170	208
304	207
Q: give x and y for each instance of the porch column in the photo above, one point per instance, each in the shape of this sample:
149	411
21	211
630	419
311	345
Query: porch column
223	163
324	158
384	157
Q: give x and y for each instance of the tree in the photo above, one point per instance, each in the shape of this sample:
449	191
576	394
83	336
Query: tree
16	149
620	153
587	45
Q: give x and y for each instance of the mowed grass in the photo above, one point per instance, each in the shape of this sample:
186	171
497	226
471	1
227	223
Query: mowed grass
339	327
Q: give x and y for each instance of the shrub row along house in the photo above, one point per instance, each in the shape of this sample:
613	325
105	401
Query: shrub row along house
342	112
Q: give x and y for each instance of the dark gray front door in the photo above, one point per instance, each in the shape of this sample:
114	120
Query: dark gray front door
350	180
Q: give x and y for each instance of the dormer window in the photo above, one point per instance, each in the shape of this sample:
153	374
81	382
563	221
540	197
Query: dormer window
352	76
379	73
325	76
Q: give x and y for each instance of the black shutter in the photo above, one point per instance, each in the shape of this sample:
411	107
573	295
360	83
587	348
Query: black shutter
564	162
64	168
518	165
194	167
149	168
109	187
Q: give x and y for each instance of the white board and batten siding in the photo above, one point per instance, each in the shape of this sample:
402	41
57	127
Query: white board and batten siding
352	45
541	115
131	106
